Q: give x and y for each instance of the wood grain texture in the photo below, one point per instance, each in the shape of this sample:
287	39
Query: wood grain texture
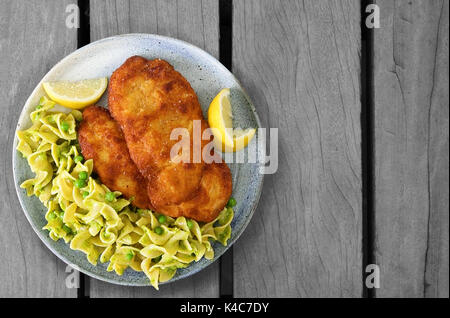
194	21
33	38
411	78
300	62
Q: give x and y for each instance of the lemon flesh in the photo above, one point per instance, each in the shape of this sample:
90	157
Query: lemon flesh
78	94
220	119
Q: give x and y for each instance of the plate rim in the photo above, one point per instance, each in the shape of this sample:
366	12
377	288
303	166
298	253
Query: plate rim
15	154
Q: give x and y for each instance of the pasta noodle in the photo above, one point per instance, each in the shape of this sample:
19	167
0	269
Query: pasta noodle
106	230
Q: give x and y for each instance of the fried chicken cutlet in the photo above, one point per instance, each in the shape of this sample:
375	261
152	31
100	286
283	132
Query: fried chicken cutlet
210	198
102	140
149	99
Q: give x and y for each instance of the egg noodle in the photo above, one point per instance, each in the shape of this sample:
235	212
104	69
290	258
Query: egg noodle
101	223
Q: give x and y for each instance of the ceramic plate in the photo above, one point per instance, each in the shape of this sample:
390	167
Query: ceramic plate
207	77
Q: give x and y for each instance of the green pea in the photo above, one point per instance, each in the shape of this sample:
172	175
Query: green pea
85	194
159	230
64	126
162	219
38	106
110	196
232	202
78	158
83	175
156	259
67	229
80	183
52	216
190	224
129	256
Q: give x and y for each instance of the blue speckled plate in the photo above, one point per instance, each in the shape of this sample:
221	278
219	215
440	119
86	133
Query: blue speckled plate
206	75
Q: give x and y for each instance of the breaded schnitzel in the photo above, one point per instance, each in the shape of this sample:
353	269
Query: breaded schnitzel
210	198
101	139
149	99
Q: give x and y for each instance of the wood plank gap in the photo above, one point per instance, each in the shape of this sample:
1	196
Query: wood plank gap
367	146
225	57
83	38
84	31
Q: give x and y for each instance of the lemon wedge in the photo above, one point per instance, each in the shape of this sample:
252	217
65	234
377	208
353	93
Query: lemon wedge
220	119
78	94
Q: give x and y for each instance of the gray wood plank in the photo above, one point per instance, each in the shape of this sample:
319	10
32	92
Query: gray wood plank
300	62
194	21
411	81
33	38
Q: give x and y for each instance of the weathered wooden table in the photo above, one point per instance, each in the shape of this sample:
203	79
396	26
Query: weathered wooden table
362	114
